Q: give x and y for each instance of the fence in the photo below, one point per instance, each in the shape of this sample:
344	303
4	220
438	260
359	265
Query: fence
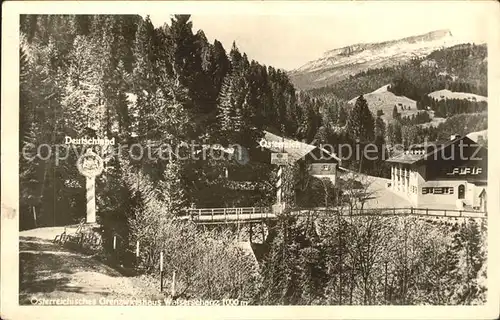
231	214
249	214
400	212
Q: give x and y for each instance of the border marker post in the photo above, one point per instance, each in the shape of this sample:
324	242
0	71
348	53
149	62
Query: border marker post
90	165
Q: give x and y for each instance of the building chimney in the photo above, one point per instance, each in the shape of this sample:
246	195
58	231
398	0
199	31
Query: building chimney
454	136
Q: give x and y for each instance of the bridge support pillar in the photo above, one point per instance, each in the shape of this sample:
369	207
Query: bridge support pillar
238	231
271	231
262	225
250	232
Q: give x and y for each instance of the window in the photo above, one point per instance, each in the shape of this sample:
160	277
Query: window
461	191
437	190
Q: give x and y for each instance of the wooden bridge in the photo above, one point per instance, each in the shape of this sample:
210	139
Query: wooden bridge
257	214
231	215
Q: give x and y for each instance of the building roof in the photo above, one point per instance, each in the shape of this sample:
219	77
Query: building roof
423	151
405	158
271	142
296	150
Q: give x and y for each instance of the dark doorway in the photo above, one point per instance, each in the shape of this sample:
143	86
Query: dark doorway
461	191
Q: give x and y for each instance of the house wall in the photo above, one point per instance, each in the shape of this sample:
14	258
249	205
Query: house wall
455	166
416	182
448	199
322	169
404	180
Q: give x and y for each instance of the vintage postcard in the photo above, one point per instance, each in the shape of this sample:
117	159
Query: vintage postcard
250	159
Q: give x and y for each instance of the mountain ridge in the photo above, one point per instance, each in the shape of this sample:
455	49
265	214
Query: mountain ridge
339	63
429	36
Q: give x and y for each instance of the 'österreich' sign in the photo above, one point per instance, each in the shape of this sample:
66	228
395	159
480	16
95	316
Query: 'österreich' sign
279	158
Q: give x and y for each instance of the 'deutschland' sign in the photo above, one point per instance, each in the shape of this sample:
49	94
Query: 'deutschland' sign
90	164
89	141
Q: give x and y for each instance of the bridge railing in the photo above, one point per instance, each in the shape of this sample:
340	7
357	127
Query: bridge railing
240	213
400	211
261	213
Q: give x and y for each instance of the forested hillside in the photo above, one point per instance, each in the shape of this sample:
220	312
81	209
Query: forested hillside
119	77
143	59
459	68
375	261
462	68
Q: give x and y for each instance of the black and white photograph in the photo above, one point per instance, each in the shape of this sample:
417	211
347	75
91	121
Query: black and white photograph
180	158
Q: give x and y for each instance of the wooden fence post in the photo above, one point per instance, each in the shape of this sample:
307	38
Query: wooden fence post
81	240
238	225
161	271
172	290
385	281
34	216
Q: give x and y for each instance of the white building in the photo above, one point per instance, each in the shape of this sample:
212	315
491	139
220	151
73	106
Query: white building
452	172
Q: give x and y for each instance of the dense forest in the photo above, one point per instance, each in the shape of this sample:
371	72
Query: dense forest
402	132
375	261
119	77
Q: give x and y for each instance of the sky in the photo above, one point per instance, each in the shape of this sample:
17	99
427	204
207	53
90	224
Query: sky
288	35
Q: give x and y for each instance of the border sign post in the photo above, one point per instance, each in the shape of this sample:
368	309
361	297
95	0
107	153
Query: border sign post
90	165
280	159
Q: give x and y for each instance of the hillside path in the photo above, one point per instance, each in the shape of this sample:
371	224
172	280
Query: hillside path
50	271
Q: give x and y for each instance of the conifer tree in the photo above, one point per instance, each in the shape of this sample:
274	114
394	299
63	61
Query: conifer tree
394	134
395	113
230	109
236	59
172	187
360	124
143	69
380	128
342	119
83	95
